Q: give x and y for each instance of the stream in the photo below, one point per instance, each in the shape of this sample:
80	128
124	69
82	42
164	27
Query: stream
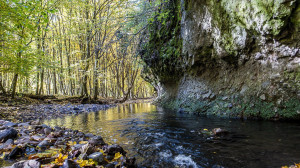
160	138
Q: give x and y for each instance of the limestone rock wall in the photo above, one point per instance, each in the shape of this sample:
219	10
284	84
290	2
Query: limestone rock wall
239	53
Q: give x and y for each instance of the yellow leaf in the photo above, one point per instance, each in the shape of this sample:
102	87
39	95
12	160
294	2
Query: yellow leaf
65	157
83	142
117	155
83	163
71	143
3	155
60	159
205	129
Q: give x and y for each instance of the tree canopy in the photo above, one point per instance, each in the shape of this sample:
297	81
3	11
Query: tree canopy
73	47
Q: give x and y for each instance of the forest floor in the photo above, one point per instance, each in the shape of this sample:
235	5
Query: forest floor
27	108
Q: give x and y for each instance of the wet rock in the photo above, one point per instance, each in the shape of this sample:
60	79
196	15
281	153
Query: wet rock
30	150
181	110
109	157
2	122
7	144
36	122
23	125
45	160
59	142
9	133
219	131
112	149
74	153
110	165
10	124
87	149
130	162
27	164
47	131
76	108
15	153
96	140
58	133
70	164
37	137
77	146
56	128
83	156
89	135
44	144
80	134
45	126
97	156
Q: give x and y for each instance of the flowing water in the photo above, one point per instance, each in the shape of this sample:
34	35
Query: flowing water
160	138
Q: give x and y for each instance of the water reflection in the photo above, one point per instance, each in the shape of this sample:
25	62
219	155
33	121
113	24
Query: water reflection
106	123
160	138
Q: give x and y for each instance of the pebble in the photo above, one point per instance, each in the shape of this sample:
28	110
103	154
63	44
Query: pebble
97	156
41	136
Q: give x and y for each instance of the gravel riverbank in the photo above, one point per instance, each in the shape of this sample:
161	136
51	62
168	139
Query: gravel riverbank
34	145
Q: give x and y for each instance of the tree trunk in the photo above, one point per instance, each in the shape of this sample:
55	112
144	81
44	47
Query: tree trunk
1	86
54	73
14	85
41	91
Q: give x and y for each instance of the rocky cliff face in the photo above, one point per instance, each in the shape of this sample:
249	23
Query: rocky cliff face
237	58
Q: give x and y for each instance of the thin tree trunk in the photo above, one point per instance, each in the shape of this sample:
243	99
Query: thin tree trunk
54	74
14	85
41	91
1	86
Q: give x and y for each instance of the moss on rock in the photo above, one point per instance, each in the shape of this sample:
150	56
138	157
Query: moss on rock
236	108
162	52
